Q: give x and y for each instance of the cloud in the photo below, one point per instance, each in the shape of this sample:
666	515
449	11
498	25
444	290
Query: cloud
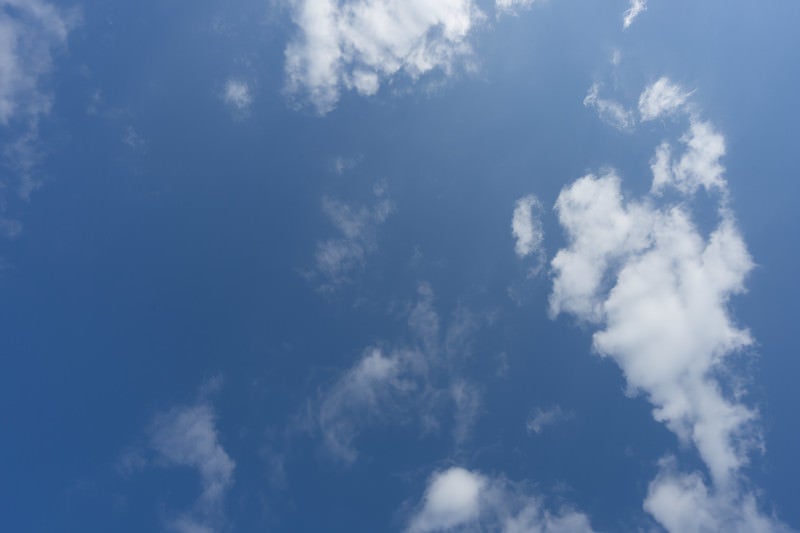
359	44
237	95
31	31
609	111
411	383
542	418
187	437
663	97
512	6
526	226
336	259
658	291
699	165
457	499
636	8
684	503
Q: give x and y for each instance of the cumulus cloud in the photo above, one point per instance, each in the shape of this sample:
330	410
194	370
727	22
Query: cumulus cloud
187	437
684	503
526	226
457	499
541	418
359	44
413	383
31	32
698	166
237	95
662	98
637	7
658	291
336	259
609	111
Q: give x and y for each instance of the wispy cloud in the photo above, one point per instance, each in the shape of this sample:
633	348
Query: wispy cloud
186	436
415	382
663	97
237	95
338	258
609	111
358	44
636	8
541	418
458	499
512	6
31	32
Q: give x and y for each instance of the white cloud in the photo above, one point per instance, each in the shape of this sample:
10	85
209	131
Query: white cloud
31	31
451	499
358	44
683	503
609	111
237	95
541	418
658	291
662	98
187	437
699	166
636	8
336	259
457	499
526	226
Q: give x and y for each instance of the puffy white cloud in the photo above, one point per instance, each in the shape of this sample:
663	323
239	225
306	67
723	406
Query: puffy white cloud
637	7
699	165
541	418
662	98
457	499
526	226
451	499
31	31
609	111
684	503
336	259
357	44
658	291
237	95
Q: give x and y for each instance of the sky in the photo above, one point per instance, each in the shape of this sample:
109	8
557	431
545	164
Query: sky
517	266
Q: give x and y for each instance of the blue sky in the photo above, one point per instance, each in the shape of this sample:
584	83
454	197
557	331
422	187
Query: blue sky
399	265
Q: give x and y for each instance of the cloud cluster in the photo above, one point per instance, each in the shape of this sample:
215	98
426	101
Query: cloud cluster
457	499
661	98
658	290
359	44
31	31
336	259
186	436
403	384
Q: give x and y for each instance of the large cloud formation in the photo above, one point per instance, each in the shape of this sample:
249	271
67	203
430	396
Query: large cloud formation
658	290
